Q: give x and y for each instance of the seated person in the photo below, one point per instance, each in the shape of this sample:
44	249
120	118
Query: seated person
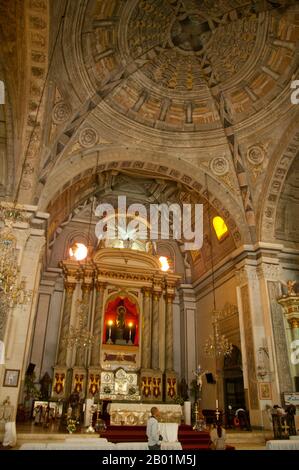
218	437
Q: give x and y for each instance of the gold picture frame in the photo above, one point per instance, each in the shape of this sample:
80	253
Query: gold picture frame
265	392
11	378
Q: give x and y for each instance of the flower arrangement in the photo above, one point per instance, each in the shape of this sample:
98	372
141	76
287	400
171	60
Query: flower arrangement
71	425
178	400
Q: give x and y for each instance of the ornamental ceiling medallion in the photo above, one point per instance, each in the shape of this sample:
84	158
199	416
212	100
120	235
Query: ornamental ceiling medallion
156	51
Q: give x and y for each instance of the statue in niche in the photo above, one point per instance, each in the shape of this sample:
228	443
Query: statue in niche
120	318
120	324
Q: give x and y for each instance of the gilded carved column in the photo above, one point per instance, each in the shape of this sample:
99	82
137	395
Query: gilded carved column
83	320
65	325
290	305
146	329
169	332
97	324
155	330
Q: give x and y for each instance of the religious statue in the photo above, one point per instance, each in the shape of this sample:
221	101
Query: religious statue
290	285
199	373
120	318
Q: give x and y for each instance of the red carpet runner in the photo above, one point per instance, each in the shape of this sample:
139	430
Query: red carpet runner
190	440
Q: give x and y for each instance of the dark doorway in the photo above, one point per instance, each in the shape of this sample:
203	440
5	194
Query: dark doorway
233	380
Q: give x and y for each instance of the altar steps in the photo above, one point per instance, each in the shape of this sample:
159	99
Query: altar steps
190	440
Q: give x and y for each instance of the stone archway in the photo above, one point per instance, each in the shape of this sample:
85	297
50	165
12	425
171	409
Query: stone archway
283	158
78	167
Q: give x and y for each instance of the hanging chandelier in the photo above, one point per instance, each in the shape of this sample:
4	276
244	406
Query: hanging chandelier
12	291
217	345
80	337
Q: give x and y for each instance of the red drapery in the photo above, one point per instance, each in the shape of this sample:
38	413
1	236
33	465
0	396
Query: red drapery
130	317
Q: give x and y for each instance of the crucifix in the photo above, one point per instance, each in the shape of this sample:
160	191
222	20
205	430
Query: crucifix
285	427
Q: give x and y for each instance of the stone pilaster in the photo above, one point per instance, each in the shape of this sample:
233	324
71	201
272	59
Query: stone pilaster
146	329
97	324
65	324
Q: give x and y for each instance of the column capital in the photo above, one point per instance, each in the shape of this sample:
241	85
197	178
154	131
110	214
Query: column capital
294	322
87	287
69	286
147	291
169	297
156	295
100	285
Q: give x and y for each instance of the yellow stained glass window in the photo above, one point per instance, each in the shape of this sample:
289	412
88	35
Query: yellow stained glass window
220	227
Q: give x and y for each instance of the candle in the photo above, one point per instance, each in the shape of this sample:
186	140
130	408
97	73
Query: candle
130	332
110	323
216	404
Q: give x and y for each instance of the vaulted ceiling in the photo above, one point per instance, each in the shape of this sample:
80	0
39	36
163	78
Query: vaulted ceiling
197	92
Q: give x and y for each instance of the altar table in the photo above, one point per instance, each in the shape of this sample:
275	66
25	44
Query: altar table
137	414
282	445
169	431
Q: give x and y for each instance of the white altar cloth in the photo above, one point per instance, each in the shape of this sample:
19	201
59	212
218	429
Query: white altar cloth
82	445
138	413
282	445
169	431
79	445
10	434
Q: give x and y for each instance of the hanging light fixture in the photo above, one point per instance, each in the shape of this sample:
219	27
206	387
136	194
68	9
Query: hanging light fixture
80	337
217	345
12	290
164	263
78	251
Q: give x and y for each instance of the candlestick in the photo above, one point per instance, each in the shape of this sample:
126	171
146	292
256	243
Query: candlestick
110	323
216	404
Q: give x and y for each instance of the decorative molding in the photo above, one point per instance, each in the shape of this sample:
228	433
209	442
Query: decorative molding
219	166
279	338
286	158
256	154
269	271
88	137
61	112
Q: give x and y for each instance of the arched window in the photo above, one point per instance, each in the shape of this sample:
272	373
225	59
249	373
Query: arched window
220	227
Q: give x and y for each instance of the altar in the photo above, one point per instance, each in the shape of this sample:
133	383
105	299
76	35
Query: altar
137	414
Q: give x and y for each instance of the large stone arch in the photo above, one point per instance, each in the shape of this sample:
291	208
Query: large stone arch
79	166
281	162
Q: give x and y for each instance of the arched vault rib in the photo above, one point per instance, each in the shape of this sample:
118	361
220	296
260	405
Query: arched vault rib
78	167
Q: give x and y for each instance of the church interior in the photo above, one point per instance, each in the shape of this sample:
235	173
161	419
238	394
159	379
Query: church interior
168	104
